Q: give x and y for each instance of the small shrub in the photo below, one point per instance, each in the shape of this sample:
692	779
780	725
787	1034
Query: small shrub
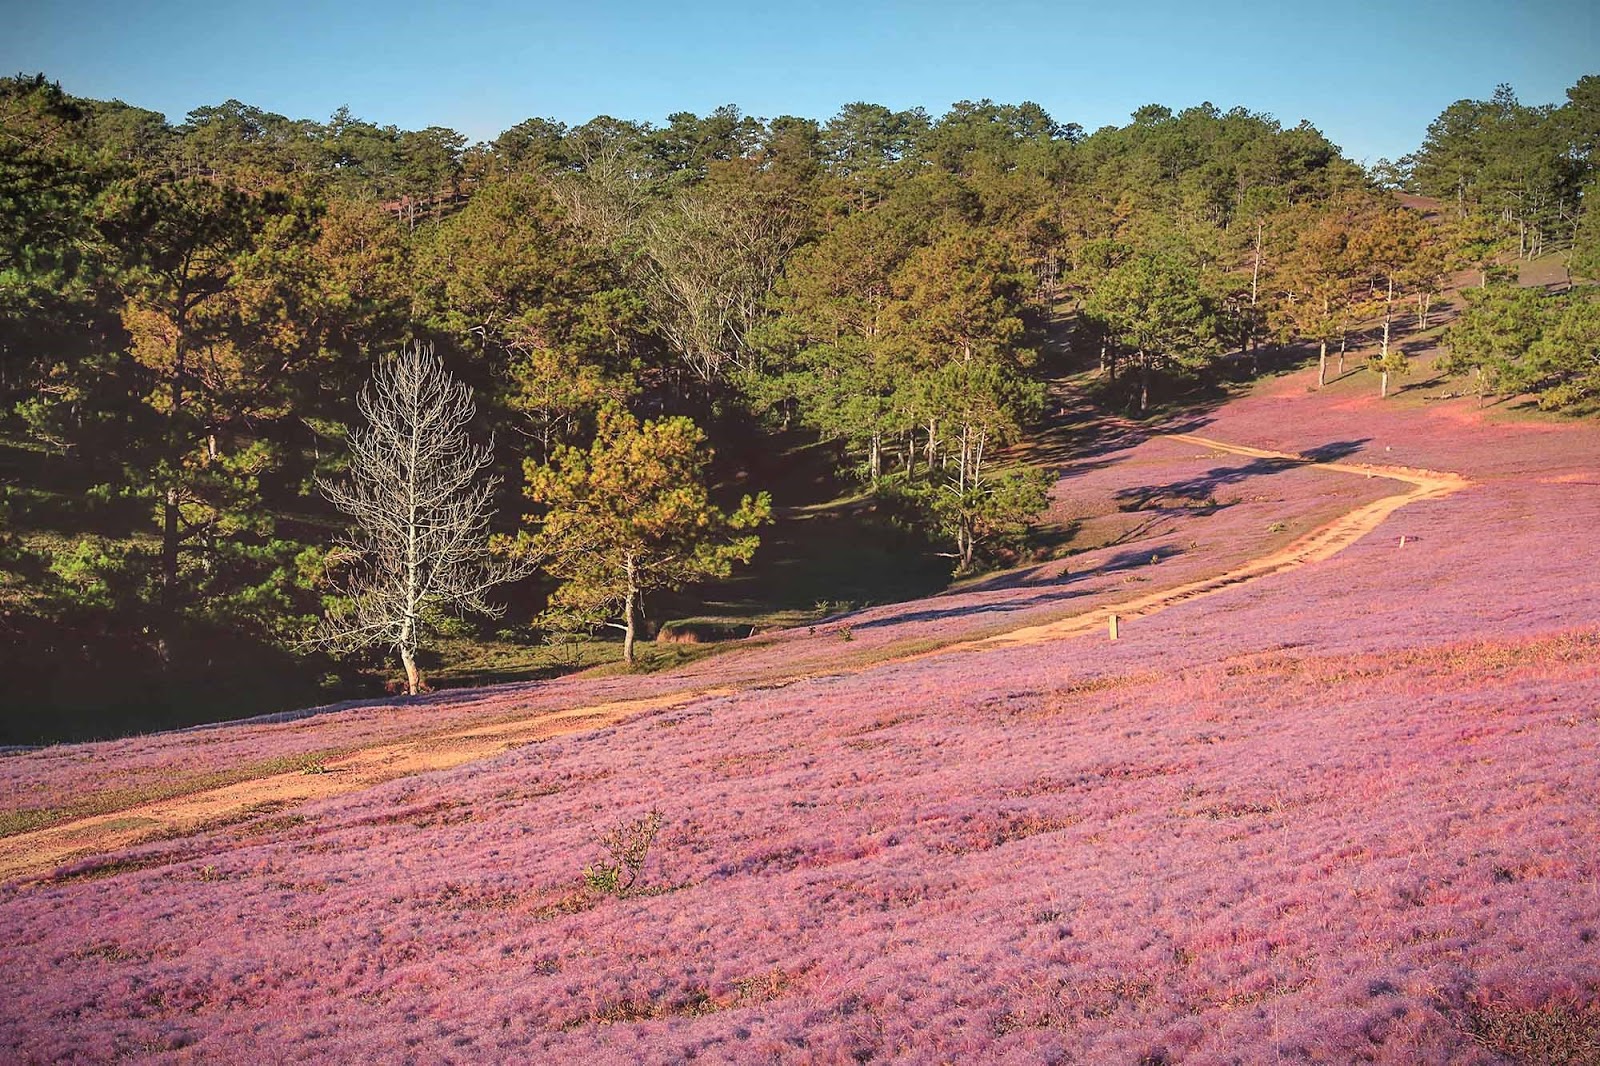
602	878
1559	1034
627	847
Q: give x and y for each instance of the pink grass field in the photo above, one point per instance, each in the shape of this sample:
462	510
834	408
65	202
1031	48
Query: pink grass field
1345	813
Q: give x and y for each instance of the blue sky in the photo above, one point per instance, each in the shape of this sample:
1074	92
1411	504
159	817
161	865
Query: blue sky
1370	75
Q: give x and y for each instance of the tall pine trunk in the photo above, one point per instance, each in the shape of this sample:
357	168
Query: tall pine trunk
170	532
1388	317
169	549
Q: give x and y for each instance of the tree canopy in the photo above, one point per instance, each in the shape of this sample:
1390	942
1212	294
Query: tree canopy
188	310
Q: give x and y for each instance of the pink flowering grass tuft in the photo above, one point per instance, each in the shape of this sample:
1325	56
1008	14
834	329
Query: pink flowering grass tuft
1345	813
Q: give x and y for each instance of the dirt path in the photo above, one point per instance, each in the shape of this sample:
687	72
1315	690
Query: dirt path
37	853
1313	547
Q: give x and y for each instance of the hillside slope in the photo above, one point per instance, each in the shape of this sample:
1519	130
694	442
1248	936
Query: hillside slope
1343	810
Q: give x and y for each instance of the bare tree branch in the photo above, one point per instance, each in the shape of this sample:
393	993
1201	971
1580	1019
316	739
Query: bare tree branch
421	506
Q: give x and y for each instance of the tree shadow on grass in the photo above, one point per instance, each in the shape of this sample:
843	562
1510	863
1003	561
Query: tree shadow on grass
1081	434
1063	586
1072	584
1333	451
1203	488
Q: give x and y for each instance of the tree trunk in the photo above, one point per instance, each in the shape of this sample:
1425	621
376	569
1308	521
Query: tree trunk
875	458
1322	364
1383	389
1144	382
1344	342
963	529
413	679
629	611
169	509
961	467
1255	271
1388	316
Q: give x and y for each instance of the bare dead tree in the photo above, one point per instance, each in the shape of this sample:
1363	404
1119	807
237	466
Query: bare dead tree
421	506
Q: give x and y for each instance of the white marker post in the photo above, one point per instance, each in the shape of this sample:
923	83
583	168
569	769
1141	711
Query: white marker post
1113	627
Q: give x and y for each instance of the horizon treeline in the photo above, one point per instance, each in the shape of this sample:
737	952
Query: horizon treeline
187	312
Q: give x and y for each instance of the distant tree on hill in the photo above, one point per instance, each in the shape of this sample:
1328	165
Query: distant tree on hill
1584	259
1505	160
1492	335
507	276
1322	277
712	256
183	245
1564	363
1153	306
1387	246
421	505
846	366
1514	340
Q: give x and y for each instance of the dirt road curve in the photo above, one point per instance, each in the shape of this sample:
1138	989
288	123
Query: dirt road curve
1313	547
37	853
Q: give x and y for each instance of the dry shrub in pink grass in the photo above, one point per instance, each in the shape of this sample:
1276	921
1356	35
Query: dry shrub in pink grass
1347	813
1559	1025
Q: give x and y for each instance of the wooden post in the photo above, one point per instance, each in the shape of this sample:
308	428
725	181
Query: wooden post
1402	540
1113	627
